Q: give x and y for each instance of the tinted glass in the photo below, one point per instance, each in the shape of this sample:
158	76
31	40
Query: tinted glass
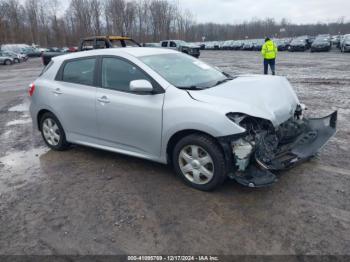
117	74
172	44
164	44
79	71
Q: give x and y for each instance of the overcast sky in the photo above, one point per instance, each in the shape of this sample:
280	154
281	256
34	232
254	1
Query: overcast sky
296	11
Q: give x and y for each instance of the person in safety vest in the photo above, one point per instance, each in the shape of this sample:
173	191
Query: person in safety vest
269	53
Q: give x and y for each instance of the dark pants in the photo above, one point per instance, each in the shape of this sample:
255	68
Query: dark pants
268	62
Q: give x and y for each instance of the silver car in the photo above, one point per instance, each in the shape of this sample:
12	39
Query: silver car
6	59
165	106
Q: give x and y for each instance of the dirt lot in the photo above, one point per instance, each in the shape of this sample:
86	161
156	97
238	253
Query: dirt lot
87	201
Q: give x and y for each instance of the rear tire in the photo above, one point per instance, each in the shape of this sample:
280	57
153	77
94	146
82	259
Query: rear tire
200	162
8	62
52	132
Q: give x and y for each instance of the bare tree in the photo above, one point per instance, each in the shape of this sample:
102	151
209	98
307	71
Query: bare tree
46	23
96	12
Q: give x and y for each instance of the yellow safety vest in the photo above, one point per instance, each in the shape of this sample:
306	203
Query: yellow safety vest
269	50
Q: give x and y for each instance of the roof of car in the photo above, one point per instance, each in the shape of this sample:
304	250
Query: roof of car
110	37
133	51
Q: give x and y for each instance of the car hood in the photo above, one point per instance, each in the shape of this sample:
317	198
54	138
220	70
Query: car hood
268	97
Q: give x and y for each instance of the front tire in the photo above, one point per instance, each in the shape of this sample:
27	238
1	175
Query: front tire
52	132
200	162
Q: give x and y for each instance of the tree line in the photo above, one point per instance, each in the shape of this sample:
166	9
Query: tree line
48	23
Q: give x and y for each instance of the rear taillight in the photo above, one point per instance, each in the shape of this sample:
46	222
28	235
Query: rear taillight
31	89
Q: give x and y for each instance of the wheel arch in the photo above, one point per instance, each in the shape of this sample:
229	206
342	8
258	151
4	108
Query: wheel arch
176	137
40	115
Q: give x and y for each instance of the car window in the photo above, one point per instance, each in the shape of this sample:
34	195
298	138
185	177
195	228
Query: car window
79	71
117	74
116	43
164	44
100	44
88	45
172	44
130	43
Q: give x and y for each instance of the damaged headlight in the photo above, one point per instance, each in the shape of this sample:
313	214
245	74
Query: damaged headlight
236	117
256	130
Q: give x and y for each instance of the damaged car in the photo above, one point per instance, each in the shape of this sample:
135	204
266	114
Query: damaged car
165	106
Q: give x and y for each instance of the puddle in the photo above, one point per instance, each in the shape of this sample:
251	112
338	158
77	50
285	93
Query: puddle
24	107
18	122
18	167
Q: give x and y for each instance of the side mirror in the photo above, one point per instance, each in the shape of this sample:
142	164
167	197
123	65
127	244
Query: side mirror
141	86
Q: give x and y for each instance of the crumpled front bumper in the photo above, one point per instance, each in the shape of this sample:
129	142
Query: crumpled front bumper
317	133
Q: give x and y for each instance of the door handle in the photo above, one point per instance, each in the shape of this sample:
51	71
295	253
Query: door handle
103	99
57	91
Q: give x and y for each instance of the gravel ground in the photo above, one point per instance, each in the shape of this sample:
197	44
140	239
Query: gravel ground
87	201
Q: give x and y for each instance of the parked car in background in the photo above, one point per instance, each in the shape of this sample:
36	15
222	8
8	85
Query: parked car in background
282	44
299	44
181	46
16	57
345	43
51	52
258	44
322	43
100	42
201	46
5	59
217	45
151	44
168	107
90	43
31	52
248	45
227	45
237	45
336	40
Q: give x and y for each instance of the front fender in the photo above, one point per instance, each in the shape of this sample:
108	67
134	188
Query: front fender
182	112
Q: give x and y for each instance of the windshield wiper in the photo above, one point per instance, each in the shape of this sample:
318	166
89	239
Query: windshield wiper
223	81
190	87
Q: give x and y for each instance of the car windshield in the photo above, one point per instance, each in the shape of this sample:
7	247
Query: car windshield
180	42
123	43
184	71
322	40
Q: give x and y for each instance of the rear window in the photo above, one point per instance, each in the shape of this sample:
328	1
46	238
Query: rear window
79	71
87	45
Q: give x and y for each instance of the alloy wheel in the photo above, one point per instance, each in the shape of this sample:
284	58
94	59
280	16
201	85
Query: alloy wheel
51	132
196	164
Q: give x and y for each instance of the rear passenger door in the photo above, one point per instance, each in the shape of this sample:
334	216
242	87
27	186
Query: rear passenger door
73	97
128	121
